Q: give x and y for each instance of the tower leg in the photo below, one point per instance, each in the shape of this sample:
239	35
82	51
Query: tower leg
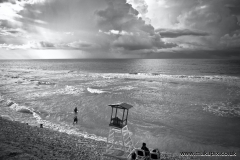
119	139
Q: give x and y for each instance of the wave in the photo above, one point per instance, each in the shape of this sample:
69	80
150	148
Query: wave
203	77
22	109
166	76
126	88
7	117
223	109
66	90
36	116
69	90
98	91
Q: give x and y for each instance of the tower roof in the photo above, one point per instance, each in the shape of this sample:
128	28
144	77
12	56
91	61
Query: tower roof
121	106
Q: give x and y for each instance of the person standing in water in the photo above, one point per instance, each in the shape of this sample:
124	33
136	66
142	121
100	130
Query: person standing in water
75	110
75	120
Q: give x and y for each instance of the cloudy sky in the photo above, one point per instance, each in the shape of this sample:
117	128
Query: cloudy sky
119	29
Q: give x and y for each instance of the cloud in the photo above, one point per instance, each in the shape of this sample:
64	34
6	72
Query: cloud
69	33
231	41
142	7
132	33
120	27
13	32
120	15
1	1
206	20
173	33
139	5
81	45
76	45
9	11
211	16
29	45
138	42
46	44
116	32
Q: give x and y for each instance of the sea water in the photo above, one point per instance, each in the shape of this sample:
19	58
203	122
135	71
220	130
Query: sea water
178	105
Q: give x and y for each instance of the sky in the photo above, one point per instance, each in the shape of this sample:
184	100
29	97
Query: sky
56	29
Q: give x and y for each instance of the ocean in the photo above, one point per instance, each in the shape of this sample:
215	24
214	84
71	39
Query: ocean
178	104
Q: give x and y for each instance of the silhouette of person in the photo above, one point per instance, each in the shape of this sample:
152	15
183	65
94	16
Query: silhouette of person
134	156
75	120
75	110
144	147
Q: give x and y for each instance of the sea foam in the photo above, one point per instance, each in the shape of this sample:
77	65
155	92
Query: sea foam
22	109
166	76
98	91
223	109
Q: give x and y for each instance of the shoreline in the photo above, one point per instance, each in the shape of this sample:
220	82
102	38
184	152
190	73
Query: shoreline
21	141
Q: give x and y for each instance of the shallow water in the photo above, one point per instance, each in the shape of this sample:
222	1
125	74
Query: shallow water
174	111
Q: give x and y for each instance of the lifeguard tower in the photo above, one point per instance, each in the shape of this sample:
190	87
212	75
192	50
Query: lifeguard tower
119	142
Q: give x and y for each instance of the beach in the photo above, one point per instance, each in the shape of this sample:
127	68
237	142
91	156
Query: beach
20	141
175	109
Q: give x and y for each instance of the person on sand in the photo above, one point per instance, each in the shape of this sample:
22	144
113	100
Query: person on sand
144	147
75	120
134	156
75	110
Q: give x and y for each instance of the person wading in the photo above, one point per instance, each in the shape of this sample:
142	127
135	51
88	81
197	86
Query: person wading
75	110
75	120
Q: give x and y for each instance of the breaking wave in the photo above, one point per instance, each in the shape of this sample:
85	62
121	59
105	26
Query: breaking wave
190	77
69	90
23	109
98	91
126	88
197	78
7	117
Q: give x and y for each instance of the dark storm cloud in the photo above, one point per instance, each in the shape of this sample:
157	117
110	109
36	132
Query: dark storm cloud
234	6
231	40
5	23
11	1
81	45
120	17
12	32
46	44
133	42
173	33
234	9
1	1
206	21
